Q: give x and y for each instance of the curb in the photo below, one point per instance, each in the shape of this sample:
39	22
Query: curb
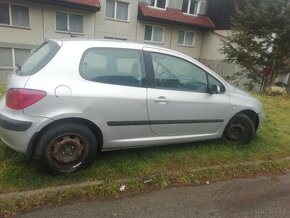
26	194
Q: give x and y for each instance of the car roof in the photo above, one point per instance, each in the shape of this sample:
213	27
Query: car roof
100	43
87	42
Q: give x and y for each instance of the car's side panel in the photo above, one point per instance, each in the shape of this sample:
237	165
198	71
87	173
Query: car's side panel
187	113
160	140
176	112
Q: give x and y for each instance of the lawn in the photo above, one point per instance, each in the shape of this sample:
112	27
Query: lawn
272	142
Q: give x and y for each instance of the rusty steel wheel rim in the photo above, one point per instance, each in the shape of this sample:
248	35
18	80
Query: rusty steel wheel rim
68	150
235	131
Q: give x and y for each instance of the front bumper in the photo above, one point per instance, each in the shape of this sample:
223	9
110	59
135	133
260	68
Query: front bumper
261	116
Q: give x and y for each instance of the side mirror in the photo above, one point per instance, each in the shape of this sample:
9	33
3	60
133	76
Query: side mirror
214	89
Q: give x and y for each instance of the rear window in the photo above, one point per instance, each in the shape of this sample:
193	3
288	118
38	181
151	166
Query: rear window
38	59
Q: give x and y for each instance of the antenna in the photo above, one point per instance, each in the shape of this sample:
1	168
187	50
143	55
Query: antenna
71	35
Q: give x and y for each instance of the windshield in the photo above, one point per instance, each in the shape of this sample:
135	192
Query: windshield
39	58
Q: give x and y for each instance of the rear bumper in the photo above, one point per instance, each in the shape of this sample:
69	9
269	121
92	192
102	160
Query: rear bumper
17	133
14	125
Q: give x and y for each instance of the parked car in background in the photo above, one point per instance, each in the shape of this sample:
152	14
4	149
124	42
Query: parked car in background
73	97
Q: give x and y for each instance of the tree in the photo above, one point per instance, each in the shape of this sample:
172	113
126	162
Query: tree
260	40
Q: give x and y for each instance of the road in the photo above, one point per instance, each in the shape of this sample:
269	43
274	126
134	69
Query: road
258	197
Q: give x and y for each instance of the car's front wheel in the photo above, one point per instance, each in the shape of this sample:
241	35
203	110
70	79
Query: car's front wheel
65	148
239	130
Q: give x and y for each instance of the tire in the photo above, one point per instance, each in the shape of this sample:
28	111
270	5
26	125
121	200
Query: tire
239	130
65	148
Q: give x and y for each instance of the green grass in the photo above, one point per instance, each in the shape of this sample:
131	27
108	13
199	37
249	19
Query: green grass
272	142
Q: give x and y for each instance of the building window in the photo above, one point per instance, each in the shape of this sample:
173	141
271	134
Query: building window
157	3
185	38
69	22
14	15
117	10
10	57
6	57
21	55
154	34
191	7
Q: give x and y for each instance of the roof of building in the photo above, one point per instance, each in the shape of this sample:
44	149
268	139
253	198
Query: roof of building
173	16
90	5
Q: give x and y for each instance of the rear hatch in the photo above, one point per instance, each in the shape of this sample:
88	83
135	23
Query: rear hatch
15	88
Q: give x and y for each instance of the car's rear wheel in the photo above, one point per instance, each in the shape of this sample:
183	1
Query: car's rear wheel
240	130
65	148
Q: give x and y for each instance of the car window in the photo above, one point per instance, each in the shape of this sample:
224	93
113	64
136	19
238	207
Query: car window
39	58
213	81
177	74
113	66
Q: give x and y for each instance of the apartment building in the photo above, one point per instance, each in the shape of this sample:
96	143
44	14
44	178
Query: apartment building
181	25
25	24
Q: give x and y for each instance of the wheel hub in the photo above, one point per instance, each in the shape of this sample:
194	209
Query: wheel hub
235	131
67	149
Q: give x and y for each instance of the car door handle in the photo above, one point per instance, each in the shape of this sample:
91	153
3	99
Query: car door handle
161	99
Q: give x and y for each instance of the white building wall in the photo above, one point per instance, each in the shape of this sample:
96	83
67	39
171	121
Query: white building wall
166	36
177	4
24	35
49	22
193	51
214	59
107	27
42	21
171	37
213	43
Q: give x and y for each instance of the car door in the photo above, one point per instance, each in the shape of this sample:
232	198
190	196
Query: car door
178	100
117	102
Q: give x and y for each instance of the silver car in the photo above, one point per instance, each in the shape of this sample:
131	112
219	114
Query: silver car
74	97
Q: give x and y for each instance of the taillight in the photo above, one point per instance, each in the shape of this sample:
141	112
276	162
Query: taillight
18	99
